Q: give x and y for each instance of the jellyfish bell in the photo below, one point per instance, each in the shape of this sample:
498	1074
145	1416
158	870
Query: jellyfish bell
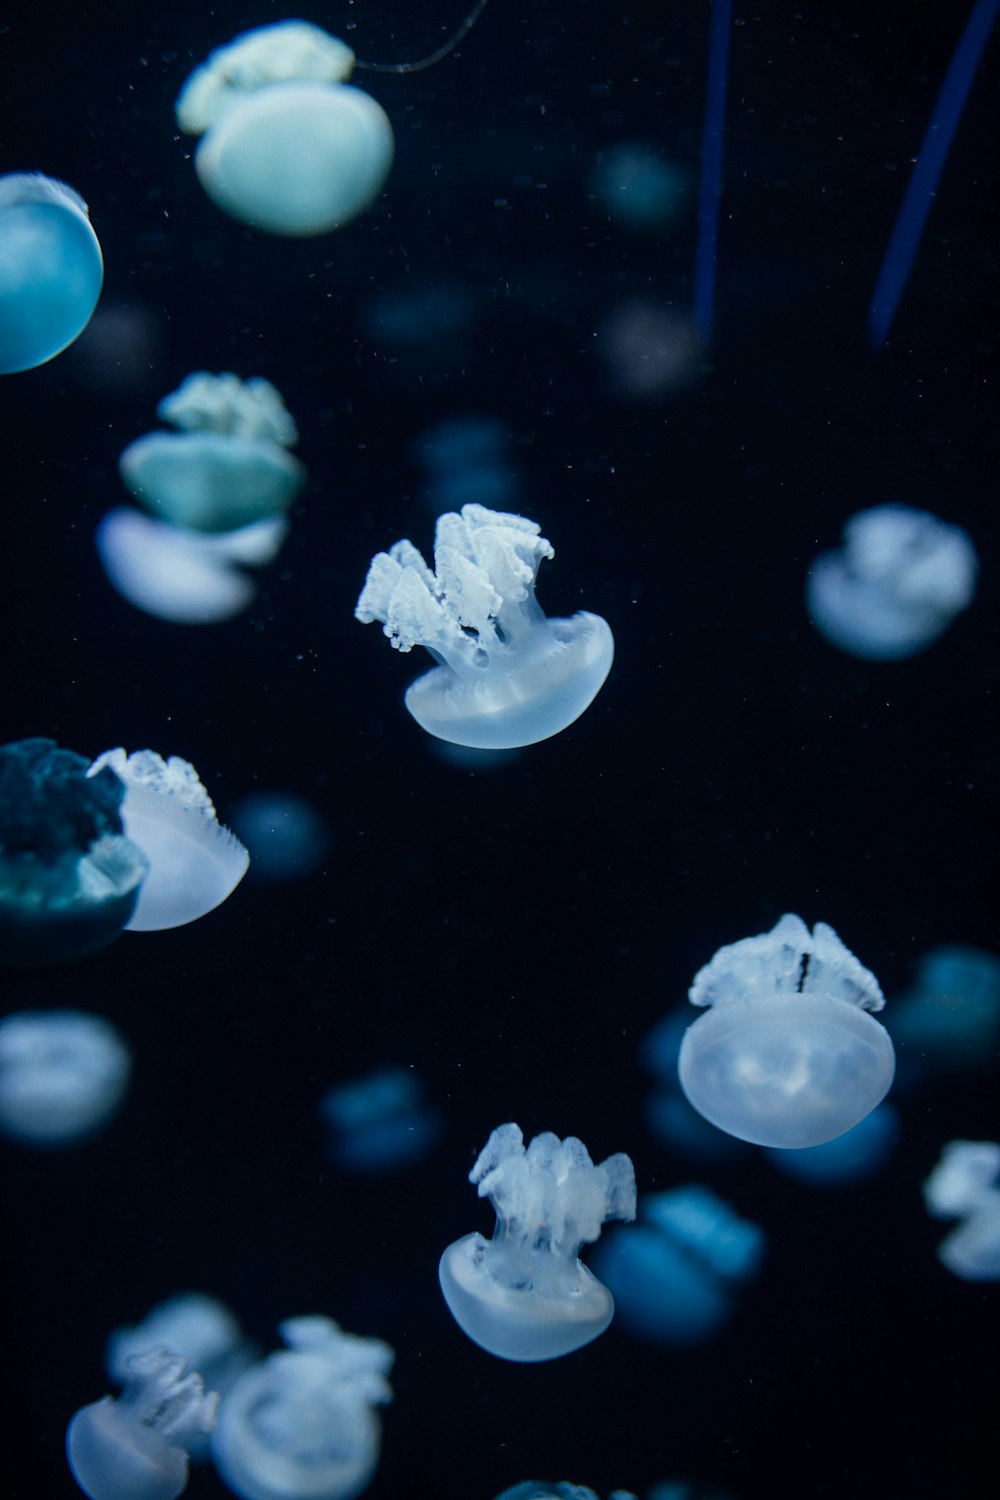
63	1075
525	1295
194	862
287	146
509	676
786	1053
51	269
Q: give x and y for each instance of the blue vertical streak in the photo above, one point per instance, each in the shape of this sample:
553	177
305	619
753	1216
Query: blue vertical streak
711	166
905	238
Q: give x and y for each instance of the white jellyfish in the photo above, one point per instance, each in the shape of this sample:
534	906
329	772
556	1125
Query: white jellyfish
508	675
63	1075
965	1185
287	145
303	1423
787	1054
51	269
136	1448
898	583
194	862
228	465
525	1295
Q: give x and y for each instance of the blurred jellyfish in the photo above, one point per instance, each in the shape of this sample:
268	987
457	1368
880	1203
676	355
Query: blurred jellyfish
525	1295
227	467
286	145
184	577
786	1053
854	1156
542	1489
951	1013
667	1113
898	583
965	1185
287	838
508	675
687	1489
69	878
303	1423
638	187
51	270
674	1275
468	461
63	1075
649	351
379	1123
136	1448
194	863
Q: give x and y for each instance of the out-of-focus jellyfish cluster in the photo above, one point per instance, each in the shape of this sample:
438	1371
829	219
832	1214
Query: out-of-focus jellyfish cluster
787	1053
639	187
304	1422
63	1076
675	1273
379	1123
288	839
136	1448
286	144
900	579
525	1295
218	490
508	675
51	269
965	1185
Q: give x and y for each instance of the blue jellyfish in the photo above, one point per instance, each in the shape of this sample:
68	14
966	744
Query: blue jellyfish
900	580
63	1075
379	1123
667	1113
194	862
965	1185
228	465
541	1489
69	878
468	461
51	270
854	1156
508	675
786	1053
524	1295
287	145
303	1423
639	188
287	838
951	1013
674	1274
136	1448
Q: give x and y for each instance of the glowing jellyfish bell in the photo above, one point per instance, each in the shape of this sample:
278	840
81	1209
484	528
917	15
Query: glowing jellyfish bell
525	1295
287	145
51	269
508	675
786	1053
63	1075
194	862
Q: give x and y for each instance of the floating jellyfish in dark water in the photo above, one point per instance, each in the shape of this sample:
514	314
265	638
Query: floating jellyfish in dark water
69	877
525	1295
859	1153
194	863
639	187
303	1423
228	466
898	583
287	838
136	1448
950	1016
786	1053
63	1074
379	1123
51	270
965	1185
287	145
508	675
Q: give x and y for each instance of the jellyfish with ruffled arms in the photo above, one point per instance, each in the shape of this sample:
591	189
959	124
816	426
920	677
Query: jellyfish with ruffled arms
786	1053
136	1448
525	1295
51	269
965	1185
508	676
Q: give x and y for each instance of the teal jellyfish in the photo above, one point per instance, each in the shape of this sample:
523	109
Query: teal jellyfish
508	675
69	877
228	466
286	145
524	1295
51	269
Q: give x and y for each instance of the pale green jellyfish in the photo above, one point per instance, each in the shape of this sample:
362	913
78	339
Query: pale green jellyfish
228	466
51	269
287	145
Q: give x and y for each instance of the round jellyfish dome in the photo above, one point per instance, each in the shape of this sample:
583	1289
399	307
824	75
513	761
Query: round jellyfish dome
51	269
